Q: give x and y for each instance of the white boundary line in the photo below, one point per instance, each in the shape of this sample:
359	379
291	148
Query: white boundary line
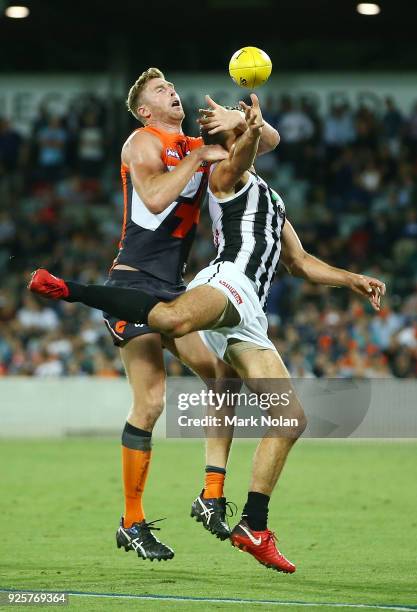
306	604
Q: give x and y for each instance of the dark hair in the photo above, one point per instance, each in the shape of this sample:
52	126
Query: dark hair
213	139
220	137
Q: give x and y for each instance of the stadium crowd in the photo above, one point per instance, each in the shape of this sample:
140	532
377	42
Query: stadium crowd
348	178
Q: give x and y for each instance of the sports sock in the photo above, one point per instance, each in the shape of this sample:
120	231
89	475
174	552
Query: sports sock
136	456
214	482
127	304
255	511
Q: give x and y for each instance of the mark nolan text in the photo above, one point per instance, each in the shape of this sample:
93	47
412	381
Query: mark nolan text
235	421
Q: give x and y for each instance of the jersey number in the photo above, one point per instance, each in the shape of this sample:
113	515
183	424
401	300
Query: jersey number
189	215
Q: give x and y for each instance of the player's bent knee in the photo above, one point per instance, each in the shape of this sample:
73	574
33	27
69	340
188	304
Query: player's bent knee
291	422
299	419
182	329
172	323
290	431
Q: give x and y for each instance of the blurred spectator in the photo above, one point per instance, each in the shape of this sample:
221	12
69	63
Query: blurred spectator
339	129
384	326
31	315
90	146
408	336
7	229
10	147
11	157
296	128
52	140
270	112
410	226
393	123
49	365
294	124
366	127
412	131
370	177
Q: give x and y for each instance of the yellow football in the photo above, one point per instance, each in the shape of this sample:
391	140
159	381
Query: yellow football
250	67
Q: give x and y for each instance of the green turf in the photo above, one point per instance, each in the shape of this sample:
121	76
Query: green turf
345	513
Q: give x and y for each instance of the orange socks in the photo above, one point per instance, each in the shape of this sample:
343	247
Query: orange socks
214	482
136	457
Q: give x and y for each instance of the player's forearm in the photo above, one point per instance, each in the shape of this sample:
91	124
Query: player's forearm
245	151
269	140
316	271
270	137
163	189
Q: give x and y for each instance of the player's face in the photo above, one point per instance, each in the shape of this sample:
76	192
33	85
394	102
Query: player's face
161	102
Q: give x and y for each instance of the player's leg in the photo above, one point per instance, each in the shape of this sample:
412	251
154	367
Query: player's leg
143	362
192	351
264	372
197	309
210	506
202	307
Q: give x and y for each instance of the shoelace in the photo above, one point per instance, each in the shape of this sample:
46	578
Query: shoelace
148	536
231	507
273	537
230	510
150	524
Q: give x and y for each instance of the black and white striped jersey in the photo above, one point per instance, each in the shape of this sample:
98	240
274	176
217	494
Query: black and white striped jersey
247	231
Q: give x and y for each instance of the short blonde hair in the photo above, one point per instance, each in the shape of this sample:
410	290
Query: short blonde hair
135	91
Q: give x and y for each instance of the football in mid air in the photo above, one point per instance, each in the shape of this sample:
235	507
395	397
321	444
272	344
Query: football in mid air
250	67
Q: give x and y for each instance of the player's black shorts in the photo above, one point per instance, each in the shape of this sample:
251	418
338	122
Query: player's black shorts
122	330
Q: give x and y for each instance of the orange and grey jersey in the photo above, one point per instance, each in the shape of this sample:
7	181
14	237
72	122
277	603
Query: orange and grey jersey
159	243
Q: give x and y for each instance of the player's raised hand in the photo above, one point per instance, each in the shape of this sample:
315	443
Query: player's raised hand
216	118
371	288
212	104
253	114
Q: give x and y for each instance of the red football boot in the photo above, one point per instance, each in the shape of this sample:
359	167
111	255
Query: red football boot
262	546
48	285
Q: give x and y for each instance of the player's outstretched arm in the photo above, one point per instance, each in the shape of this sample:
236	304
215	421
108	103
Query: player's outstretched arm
269	140
242	154
156	186
216	119
300	263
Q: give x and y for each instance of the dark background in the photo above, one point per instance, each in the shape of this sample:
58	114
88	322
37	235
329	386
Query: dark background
314	35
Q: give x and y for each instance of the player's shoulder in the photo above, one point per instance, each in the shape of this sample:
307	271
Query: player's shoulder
142	135
140	140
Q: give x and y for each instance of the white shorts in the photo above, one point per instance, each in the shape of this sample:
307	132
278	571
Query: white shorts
237	287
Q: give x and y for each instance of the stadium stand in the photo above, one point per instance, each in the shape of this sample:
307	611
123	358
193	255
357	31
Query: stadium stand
349	182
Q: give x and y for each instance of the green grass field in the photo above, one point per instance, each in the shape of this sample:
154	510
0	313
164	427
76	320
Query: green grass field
345	513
